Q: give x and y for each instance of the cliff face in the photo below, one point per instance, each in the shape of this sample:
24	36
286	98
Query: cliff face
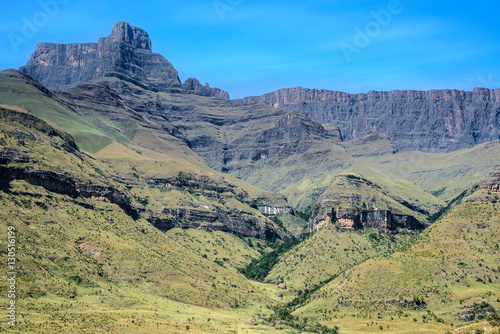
491	182
125	54
432	121
353	219
127	51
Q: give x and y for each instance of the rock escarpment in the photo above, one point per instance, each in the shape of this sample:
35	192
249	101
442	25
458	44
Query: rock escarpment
66	185
353	203
125	54
353	219
213	217
284	135
491	182
431	121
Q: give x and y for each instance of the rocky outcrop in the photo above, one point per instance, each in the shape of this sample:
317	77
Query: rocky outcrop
12	154
353	219
236	221
51	181
125	54
108	194
290	134
200	184
239	222
355	203
193	86
432	121
66	185
123	32
491	182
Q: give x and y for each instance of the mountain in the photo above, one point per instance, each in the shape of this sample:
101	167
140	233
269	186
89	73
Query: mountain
430	121
221	202
82	237
147	205
129	102
355	203
126	53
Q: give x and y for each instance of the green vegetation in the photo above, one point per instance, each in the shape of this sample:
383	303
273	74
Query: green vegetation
442	266
329	252
24	95
89	267
259	268
444	210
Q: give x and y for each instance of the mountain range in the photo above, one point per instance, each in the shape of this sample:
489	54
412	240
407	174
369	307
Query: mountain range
174	208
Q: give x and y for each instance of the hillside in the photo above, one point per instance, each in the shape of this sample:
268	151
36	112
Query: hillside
269	148
139	203
81	231
451	266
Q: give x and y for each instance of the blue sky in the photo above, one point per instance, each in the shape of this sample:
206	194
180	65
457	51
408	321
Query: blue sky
254	47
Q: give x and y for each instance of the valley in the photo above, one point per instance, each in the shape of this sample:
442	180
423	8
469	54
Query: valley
143	204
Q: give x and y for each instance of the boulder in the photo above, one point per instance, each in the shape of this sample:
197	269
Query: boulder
467	315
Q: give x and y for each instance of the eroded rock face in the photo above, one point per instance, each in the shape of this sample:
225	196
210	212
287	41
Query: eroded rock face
216	217
126	51
125	54
239	222
193	85
66	185
353	219
491	182
432	121
353	203
122	31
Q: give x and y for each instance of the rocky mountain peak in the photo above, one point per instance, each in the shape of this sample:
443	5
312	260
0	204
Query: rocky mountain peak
123	56
124	32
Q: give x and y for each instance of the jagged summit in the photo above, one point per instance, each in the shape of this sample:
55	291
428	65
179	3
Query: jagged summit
124	55
124	32
121	54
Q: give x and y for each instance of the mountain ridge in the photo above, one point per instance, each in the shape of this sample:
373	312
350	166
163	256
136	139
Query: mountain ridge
431	121
126	53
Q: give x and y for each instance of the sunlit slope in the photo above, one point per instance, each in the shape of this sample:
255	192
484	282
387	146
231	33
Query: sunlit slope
444	175
17	89
87	264
452	264
329	252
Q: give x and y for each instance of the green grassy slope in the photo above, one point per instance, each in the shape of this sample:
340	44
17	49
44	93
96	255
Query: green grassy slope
444	175
20	91
329	252
85	266
451	265
93	112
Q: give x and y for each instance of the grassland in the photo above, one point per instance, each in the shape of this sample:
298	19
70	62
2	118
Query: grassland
451	265
329	252
444	175
25	95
